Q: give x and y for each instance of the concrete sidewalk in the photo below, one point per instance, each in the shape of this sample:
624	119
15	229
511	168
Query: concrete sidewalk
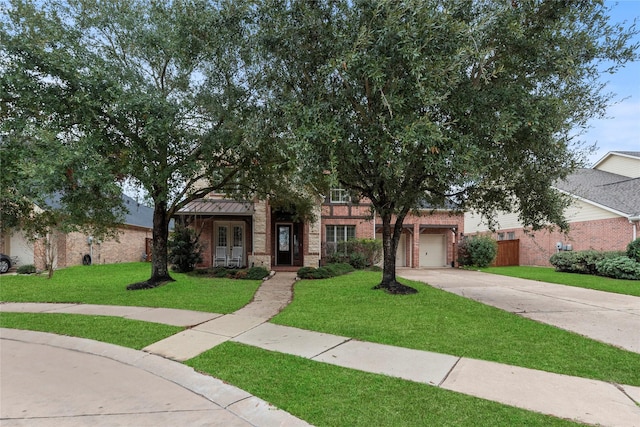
579	399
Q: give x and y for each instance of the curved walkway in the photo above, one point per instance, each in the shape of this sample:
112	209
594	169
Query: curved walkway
579	399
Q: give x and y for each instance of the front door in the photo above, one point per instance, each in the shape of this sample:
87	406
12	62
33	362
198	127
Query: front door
284	244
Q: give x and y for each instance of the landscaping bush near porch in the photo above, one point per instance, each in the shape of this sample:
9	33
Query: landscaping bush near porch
253	273
329	270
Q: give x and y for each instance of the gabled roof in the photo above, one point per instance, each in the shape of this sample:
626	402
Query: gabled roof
632	154
137	214
615	192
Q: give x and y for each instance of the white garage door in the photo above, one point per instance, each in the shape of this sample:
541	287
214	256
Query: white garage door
21	248
401	254
432	250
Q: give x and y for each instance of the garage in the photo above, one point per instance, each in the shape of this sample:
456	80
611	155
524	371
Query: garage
433	250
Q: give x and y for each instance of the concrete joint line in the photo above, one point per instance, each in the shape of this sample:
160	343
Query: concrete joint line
542	294
331	348
235	402
449	372
623	391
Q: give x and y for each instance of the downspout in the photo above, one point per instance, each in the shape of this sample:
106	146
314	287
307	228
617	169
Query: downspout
634	220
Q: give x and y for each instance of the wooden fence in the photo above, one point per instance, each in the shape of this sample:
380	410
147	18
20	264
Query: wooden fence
508	253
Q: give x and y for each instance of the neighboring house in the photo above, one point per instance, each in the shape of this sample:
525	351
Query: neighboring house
133	243
605	214
252	233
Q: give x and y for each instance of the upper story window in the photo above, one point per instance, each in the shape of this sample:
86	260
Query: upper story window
340	195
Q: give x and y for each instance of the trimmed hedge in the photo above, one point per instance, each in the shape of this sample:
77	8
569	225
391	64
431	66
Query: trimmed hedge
621	267
329	270
583	262
26	269
253	273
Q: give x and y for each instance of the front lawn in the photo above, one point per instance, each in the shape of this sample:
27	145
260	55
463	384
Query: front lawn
442	322
548	274
322	394
106	284
114	330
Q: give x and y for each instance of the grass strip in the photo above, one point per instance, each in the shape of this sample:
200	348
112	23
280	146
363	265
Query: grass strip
326	395
134	334
545	274
439	321
106	284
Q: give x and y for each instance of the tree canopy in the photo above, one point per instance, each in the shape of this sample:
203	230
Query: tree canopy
154	93
443	104
456	104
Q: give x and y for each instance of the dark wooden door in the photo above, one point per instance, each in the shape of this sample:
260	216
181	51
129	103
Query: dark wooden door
284	244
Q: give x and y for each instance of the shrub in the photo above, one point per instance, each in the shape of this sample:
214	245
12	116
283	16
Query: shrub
563	261
184	249
315	273
26	269
330	270
257	273
621	267
339	269
479	251
360	253
633	250
583	262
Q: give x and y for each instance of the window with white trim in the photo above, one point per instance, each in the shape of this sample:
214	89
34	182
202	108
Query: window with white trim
340	195
335	234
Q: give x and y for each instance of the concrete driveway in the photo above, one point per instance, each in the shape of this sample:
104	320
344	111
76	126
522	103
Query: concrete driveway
603	316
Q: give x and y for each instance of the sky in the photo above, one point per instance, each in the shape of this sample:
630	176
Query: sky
621	130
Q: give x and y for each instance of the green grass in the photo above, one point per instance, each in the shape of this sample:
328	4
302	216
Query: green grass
547	274
438	321
323	394
106	284
326	395
115	330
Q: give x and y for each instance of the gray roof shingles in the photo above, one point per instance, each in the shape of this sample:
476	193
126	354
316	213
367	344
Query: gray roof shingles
614	191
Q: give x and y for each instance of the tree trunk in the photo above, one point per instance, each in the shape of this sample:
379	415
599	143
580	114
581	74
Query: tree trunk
390	241
159	256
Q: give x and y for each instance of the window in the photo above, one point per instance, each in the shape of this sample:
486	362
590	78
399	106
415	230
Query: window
511	235
237	235
336	234
500	236
340	195
222	235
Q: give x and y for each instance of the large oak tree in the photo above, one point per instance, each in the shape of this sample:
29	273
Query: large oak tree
157	94
443	103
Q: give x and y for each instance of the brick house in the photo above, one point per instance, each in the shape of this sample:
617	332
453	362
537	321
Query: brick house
134	240
605	214
253	233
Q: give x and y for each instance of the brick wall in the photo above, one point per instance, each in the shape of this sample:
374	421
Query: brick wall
536	248
129	247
